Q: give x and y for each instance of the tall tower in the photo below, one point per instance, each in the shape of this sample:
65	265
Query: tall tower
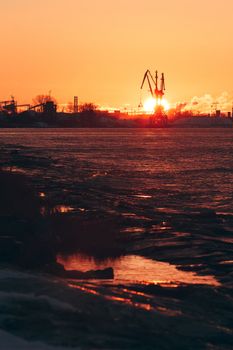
75	104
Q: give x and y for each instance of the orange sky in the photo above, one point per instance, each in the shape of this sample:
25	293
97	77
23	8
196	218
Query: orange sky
100	49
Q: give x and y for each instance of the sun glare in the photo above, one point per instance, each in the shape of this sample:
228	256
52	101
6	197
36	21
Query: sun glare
165	104
150	103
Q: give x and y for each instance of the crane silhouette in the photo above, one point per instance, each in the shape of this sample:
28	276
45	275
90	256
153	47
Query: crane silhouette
156	91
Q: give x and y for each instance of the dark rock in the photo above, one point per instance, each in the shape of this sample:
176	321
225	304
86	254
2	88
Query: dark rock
107	273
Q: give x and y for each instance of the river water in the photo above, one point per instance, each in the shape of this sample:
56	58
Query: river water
168	196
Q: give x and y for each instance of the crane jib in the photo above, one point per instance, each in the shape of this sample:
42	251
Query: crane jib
156	92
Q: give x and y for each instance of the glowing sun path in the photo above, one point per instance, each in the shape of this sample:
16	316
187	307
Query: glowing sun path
150	104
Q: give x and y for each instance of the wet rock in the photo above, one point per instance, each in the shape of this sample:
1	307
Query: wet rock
59	270
107	273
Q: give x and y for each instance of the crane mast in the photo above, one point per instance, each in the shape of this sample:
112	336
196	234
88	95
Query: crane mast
150	79
158	91
162	87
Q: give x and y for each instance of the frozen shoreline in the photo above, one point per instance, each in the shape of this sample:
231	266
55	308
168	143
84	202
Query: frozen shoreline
162	235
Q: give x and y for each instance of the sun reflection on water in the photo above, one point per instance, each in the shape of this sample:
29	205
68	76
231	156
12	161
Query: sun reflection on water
137	269
133	276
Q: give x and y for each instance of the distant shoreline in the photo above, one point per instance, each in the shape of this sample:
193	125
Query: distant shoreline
98	119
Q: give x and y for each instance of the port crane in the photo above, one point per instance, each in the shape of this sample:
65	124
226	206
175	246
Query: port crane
157	92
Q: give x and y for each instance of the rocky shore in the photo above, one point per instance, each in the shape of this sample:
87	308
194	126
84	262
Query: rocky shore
29	239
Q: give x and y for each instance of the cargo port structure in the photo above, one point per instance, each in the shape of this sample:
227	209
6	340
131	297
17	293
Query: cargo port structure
11	107
157	92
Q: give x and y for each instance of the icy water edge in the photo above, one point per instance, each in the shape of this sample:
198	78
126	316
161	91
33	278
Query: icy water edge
169	195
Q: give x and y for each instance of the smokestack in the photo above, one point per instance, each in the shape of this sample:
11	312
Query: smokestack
75	104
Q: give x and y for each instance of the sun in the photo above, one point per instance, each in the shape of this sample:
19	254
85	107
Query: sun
150	104
165	104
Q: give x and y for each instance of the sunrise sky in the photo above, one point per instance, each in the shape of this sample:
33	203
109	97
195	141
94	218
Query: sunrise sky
100	49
